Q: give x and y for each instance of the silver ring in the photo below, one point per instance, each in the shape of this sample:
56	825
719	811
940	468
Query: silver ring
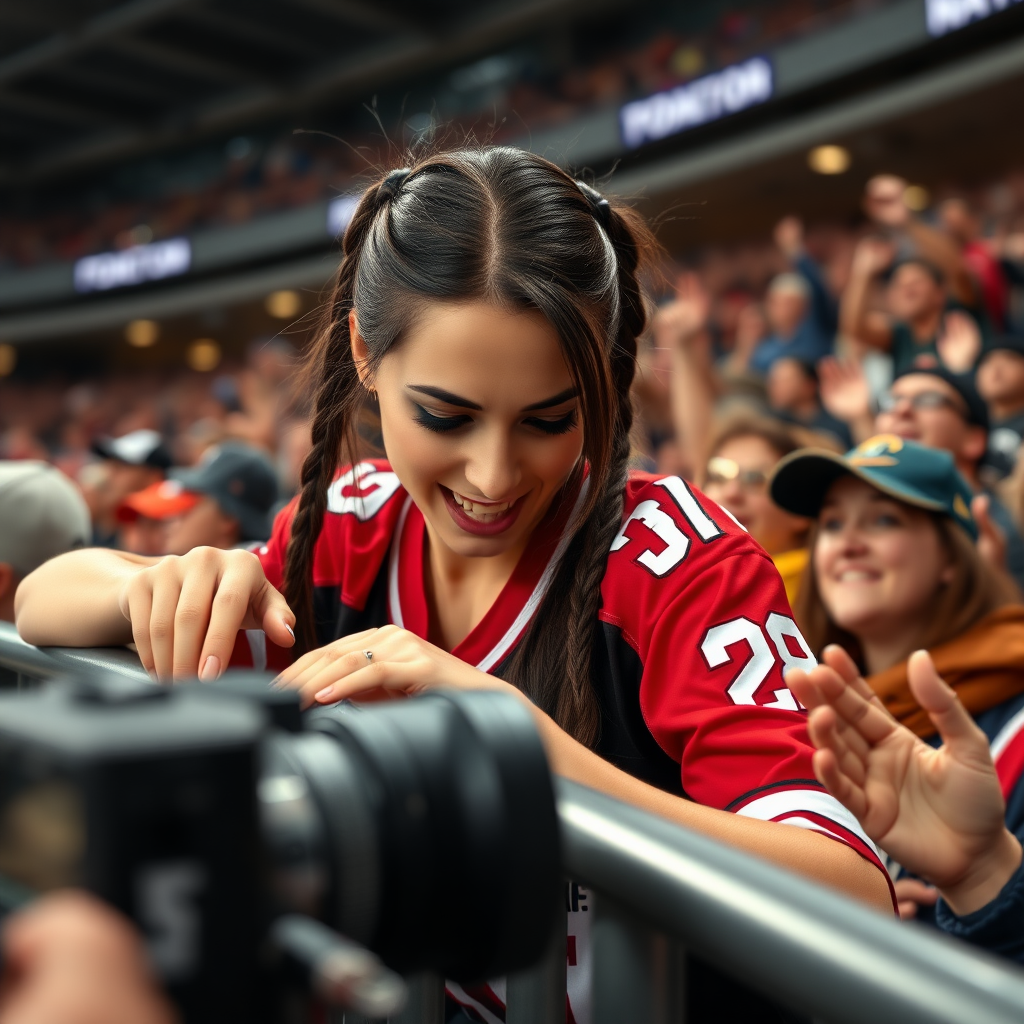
368	655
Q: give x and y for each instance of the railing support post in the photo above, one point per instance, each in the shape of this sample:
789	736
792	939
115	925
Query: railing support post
426	1001
639	973
537	996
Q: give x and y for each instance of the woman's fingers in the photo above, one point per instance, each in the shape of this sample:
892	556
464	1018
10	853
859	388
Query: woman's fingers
191	620
269	608
166	591
138	609
236	575
852	797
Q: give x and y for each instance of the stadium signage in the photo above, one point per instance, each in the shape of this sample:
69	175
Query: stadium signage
698	102
339	213
946	16
137	265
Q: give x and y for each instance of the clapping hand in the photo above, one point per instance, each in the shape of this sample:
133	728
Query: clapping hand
939	812
683	319
959	342
844	389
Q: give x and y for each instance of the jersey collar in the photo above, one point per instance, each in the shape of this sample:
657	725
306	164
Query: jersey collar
494	637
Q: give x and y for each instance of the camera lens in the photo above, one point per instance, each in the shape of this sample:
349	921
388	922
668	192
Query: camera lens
424	829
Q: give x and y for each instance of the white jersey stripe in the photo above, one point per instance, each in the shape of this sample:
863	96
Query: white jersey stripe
396	544
793	801
1006	735
502	647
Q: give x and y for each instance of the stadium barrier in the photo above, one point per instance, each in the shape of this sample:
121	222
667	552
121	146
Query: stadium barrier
657	890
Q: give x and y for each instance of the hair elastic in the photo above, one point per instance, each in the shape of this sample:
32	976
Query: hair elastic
600	206
393	182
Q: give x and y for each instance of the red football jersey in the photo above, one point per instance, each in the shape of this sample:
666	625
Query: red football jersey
695	634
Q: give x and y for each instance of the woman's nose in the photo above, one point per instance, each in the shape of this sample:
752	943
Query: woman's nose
493	469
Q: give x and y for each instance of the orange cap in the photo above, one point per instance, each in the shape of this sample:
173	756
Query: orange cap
163	500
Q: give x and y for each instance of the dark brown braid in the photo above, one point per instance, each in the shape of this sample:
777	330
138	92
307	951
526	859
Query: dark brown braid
336	402
577	581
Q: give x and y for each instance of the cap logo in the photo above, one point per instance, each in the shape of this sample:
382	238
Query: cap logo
877	451
960	507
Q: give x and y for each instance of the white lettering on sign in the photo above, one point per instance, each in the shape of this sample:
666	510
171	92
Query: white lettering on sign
946	16
698	102
136	265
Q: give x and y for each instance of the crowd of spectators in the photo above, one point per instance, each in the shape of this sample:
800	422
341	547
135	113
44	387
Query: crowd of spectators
502	98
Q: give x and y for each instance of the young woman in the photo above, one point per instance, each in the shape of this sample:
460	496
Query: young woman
491	304
894	569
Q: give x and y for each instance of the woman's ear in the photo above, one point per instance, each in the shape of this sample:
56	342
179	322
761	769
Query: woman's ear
360	353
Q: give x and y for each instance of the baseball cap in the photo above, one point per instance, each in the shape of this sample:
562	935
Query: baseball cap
977	410
162	500
241	480
139	448
905	470
41	515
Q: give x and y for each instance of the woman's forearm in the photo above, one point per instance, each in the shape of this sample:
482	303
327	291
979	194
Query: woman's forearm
72	600
806	852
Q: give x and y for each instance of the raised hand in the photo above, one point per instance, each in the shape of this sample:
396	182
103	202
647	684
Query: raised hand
185	611
959	341
681	320
938	812
844	389
883	201
871	256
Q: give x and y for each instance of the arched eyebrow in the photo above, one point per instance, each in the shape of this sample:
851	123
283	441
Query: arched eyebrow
464	403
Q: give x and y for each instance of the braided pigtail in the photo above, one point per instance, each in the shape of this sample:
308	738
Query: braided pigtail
556	640
338	396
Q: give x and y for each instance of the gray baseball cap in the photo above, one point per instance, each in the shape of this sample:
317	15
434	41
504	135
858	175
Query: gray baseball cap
41	515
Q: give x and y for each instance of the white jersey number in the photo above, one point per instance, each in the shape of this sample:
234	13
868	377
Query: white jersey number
767	644
375	487
662	525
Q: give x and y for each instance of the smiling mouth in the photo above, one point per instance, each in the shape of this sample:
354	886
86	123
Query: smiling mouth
482	511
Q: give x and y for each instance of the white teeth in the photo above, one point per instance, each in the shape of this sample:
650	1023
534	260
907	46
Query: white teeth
485	513
855	575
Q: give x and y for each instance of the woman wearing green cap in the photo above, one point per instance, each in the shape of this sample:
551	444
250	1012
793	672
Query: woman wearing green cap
894	569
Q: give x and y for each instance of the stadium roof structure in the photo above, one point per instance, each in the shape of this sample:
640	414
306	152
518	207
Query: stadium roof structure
86	81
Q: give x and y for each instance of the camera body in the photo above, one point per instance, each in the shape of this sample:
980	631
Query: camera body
423	829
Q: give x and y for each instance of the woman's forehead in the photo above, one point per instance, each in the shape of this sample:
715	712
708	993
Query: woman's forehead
477	350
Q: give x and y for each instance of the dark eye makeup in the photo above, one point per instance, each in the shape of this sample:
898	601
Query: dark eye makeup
443	424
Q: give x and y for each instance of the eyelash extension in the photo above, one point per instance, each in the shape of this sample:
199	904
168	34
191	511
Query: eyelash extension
562	426
439	424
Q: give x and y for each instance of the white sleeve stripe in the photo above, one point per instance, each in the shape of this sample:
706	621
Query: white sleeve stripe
257	648
396	543
793	801
461	996
815	826
1005	736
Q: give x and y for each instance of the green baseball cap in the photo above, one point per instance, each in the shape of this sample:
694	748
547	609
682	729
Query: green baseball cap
905	470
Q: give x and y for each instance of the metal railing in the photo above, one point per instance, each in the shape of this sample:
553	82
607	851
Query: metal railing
659	890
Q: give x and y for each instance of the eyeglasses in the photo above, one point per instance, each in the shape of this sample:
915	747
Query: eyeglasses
723	471
922	400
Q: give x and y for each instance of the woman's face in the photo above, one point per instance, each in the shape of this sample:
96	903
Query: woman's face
879	563
480	421
737	479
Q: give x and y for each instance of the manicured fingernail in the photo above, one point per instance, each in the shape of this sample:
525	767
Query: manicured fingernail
291	632
211	669
325	693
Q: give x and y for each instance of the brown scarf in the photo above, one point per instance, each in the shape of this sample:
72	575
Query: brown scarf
984	664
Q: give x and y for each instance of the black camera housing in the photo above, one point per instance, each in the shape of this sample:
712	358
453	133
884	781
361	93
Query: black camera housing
424	829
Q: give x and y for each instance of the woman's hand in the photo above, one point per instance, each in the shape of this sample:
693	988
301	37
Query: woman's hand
400	664
940	813
185	611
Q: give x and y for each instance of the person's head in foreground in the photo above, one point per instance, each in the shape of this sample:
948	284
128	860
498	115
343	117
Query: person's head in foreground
894	565
41	515
941	410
